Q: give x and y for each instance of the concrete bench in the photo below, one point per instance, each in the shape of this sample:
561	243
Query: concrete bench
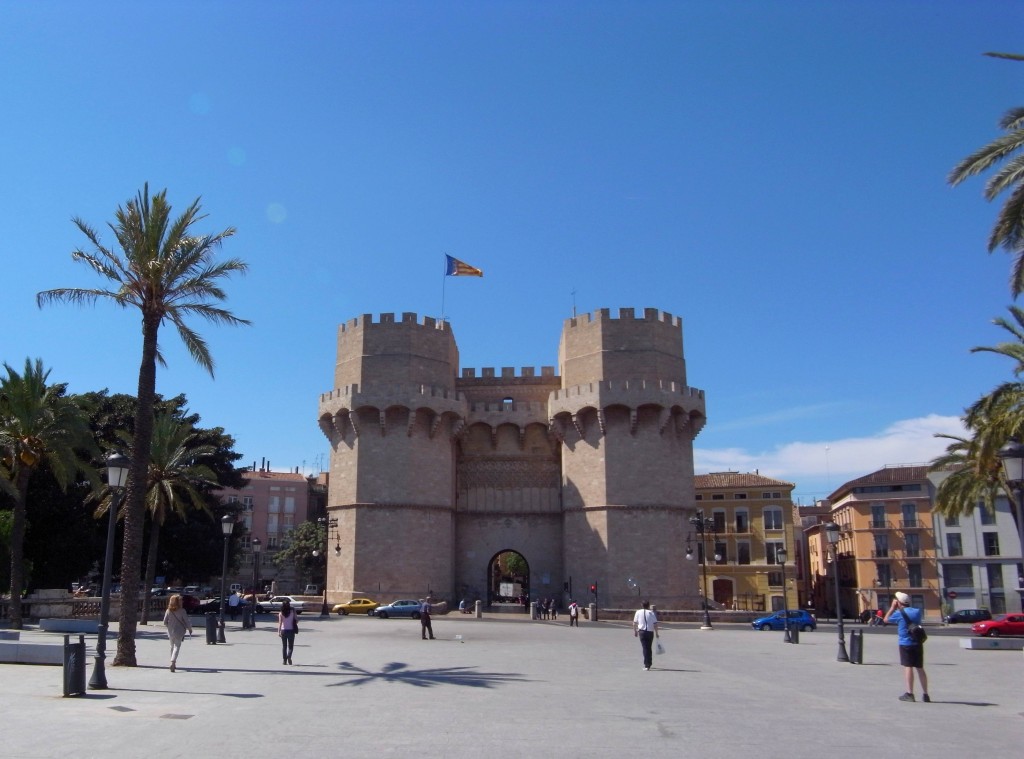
31	653
70	625
989	644
10	634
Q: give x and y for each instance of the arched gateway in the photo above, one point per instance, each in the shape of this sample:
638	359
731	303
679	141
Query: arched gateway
589	471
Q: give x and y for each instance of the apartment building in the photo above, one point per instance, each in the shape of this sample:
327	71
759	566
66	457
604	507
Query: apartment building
753	521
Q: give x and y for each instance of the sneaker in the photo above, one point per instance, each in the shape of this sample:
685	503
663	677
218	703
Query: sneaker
172	666
907	697
647	669
926	698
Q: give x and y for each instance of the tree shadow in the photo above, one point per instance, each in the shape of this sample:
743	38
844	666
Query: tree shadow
399	672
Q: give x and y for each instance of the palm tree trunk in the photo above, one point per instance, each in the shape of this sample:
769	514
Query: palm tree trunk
154	543
19	518
135	506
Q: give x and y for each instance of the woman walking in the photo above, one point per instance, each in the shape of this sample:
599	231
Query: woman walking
177	624
287	627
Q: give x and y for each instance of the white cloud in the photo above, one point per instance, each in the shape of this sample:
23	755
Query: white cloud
824	465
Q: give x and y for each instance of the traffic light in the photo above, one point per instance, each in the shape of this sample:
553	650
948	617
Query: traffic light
593	588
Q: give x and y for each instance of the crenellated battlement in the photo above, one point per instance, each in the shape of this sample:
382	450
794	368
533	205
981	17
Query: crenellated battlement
603	315
387	319
509	373
627	386
395	390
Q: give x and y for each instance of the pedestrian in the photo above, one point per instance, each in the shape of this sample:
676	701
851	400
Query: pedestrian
425	626
233	601
645	627
554	609
574	614
287	629
546	607
911	651
177	623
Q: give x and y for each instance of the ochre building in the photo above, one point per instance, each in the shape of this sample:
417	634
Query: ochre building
507	485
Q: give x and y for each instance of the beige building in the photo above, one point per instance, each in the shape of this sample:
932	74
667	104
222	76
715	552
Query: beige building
507	484
887	544
753	521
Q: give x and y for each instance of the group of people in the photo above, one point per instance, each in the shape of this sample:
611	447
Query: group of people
178	625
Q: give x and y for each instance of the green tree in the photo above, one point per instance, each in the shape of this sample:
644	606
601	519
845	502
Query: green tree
300	544
169	274
38	424
1008	232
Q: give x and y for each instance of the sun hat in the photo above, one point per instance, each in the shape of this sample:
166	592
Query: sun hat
903	598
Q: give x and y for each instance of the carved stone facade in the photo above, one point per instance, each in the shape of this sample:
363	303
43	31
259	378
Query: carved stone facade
586	474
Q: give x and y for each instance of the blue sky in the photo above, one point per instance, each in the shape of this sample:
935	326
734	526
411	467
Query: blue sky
772	172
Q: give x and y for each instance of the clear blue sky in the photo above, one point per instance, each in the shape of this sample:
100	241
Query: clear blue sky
772	172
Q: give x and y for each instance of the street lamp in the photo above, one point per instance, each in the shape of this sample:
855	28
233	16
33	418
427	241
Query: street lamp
117	477
256	546
330	526
832	533
780	556
703	525
227	526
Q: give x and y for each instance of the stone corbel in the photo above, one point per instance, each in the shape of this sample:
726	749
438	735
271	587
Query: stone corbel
664	417
383	422
633	421
600	421
435	425
578	424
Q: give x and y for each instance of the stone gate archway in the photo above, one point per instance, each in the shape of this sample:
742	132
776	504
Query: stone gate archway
508	579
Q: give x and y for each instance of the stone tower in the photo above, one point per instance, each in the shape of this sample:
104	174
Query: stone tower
587	476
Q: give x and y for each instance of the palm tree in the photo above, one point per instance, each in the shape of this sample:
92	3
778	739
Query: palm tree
1008	232
39	426
176	480
167	273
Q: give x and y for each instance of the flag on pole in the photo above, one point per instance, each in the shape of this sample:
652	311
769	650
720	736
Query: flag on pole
457	268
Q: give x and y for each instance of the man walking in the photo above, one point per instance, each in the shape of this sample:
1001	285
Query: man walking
574	614
911	651
425	618
645	627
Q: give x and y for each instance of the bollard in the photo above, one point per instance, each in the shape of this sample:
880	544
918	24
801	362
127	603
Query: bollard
211	628
74	666
593	612
479	609
856	647
794	634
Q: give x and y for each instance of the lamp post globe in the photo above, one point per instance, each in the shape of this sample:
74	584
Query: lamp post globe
117	479
832	535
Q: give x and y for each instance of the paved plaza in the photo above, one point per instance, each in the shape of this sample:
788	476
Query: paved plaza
515	688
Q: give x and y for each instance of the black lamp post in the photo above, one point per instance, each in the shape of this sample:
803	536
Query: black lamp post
780	556
227	526
832	534
117	478
703	525
330	526
256	546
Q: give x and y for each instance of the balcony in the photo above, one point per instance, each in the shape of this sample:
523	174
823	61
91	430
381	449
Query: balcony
882	554
911	524
879	524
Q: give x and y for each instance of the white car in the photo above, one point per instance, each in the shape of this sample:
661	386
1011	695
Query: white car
274	605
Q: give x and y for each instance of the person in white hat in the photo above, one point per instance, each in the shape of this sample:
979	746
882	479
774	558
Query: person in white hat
911	652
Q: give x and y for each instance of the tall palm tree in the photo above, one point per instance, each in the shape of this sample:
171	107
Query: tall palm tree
1008	232
168	273
38	425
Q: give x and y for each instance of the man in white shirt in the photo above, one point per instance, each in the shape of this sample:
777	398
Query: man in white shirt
645	627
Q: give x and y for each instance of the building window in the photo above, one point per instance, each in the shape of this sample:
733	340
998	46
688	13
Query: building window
742	522
740	496
289	504
247	502
272	523
272	542
988	516
913	543
722	553
772	518
991	542
881	546
717	496
743	553
995	575
771	549
954	546
908	509
232	499
917	600
718	519
768	496
952	521
775	579
274	506
698	497
878	515
884	574
914	575
958	575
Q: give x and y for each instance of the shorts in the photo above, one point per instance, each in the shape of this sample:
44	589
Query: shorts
912	656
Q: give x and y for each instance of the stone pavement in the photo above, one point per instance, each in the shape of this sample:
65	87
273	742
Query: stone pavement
515	688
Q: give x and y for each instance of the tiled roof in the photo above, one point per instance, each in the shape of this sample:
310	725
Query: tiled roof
284	476
890	475
736	480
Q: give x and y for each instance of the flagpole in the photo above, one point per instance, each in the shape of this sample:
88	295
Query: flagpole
444	280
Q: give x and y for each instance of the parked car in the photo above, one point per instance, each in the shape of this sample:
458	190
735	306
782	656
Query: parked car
405	607
1004	624
968	615
190	604
209	605
798	618
274	605
356	606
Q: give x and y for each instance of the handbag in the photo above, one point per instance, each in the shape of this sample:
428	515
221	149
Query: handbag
295	622
917	633
658	648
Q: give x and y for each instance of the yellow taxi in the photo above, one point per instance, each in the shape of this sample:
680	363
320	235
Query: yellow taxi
355	606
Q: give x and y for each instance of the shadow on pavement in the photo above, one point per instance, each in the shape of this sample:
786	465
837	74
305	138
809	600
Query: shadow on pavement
398	672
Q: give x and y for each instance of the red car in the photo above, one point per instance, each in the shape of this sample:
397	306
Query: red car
1004	624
